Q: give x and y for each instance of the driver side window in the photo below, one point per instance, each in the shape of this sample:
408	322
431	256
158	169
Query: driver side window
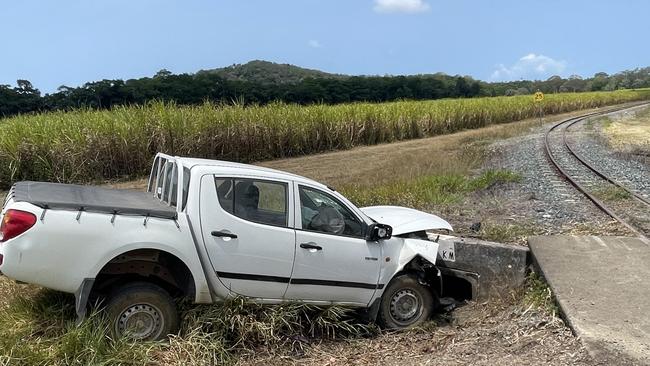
322	212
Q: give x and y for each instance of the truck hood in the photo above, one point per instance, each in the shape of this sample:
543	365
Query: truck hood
405	220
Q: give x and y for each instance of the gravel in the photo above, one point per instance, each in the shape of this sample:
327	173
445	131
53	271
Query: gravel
589	143
543	197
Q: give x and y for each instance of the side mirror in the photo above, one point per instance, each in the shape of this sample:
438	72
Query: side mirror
378	232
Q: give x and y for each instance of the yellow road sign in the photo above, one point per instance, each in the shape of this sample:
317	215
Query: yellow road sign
539	96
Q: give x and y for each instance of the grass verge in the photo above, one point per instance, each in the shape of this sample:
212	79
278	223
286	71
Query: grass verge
425	191
37	327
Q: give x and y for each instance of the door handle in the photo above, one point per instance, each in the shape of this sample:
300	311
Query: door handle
221	234
311	246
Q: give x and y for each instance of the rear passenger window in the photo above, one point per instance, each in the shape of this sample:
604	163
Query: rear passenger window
260	201
173	194
160	178
153	177
186	185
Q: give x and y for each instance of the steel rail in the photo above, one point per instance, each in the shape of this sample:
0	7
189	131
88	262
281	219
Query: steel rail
584	162
573	181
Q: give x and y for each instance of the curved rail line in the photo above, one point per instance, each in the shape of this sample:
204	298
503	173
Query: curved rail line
581	159
570	122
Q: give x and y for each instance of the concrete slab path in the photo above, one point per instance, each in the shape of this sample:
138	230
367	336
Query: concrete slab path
602	285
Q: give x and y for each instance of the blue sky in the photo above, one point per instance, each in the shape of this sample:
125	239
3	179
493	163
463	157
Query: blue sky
70	42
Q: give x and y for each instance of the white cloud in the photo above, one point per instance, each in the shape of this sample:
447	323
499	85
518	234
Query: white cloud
314	44
531	66
401	6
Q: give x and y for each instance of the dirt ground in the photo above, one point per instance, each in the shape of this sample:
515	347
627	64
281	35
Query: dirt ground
502	332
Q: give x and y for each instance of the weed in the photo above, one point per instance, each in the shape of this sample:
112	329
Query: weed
538	294
605	121
612	193
491	178
506	233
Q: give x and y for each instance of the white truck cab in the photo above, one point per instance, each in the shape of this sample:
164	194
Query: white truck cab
210	230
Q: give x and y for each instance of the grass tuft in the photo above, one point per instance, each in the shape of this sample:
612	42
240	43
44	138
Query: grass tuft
506	233
538	294
613	193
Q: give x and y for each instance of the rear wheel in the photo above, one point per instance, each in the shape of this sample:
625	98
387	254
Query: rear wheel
142	311
405	303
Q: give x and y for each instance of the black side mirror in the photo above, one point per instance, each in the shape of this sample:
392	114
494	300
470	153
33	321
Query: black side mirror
378	232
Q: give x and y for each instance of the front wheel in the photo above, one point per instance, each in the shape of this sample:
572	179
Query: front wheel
142	311
405	303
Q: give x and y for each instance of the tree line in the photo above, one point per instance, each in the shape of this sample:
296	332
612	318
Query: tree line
206	85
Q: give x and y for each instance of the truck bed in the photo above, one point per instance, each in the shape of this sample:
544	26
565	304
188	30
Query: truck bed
92	199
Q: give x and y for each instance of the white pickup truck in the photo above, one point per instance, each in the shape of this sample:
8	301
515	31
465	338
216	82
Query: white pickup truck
209	230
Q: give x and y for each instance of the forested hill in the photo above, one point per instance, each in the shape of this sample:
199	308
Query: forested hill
266	72
260	82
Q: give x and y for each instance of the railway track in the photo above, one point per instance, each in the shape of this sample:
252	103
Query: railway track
633	213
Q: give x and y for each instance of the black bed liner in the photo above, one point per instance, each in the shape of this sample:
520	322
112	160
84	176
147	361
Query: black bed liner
92	199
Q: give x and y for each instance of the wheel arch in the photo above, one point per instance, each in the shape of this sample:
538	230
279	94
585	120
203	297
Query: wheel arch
157	266
192	265
421	268
198	285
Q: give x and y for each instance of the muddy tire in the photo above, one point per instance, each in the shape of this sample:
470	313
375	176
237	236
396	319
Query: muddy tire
142	311
405	303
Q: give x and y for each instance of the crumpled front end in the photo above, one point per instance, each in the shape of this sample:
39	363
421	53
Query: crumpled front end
405	220
418	252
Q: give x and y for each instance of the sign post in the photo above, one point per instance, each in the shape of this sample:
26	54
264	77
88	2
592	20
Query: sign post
539	97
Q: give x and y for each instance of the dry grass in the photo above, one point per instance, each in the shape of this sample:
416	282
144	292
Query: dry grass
512	331
508	232
630	133
37	327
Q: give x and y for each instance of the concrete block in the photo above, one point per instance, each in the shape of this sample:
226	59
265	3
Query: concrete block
493	269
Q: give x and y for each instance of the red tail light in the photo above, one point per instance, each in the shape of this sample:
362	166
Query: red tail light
16	222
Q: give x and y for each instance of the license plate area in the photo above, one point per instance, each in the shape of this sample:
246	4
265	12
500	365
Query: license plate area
447	250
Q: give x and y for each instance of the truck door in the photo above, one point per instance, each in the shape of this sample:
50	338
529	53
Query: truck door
333	260
247	227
